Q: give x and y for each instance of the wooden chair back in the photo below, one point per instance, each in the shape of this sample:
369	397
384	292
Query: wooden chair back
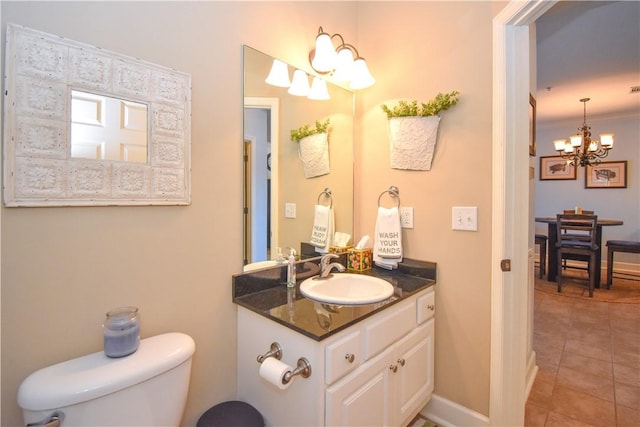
577	232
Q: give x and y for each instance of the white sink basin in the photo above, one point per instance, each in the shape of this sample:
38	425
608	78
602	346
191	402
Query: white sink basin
347	288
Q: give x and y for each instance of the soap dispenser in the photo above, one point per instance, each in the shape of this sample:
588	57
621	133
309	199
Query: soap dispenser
291	270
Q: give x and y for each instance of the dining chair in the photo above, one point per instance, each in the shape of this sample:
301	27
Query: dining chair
576	236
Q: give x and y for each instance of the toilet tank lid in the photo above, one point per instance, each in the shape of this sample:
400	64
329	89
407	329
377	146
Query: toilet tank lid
96	375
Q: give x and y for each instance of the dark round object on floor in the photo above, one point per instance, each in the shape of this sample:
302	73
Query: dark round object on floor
231	414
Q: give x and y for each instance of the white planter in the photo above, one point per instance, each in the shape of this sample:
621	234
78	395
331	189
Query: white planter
412	141
314	153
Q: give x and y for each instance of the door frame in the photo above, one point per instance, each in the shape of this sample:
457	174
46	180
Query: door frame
510	326
272	104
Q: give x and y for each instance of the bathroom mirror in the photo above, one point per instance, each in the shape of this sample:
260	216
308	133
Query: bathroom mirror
54	89
279	200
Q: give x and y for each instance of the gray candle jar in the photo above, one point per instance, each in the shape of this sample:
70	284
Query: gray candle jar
121	331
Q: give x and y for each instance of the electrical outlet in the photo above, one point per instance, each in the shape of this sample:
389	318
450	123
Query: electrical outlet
289	210
464	218
406	217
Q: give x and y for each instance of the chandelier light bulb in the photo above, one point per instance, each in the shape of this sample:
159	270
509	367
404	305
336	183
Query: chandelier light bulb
559	144
606	140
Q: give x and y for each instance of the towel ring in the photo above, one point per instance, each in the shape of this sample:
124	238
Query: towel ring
393	192
326	193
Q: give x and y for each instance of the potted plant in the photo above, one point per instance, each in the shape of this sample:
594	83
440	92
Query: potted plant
413	130
313	147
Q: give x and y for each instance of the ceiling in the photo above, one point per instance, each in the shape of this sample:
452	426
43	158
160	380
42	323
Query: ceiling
588	49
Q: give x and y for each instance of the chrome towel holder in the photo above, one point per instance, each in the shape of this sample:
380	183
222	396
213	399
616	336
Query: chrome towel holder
327	193
393	192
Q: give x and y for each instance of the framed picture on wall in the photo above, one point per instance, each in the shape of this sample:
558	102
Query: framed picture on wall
556	168
606	175
532	125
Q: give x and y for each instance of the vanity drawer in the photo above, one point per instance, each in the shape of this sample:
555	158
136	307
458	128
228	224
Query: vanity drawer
342	356
389	327
426	307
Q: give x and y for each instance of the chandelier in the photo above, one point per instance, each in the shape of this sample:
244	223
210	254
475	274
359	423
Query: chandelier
581	149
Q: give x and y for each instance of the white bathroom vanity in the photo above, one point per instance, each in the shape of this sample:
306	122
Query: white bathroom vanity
370	364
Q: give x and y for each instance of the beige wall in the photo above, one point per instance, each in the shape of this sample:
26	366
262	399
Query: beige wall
416	51
62	268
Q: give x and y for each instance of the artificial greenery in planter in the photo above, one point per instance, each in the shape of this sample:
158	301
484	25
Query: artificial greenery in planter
313	148
413	130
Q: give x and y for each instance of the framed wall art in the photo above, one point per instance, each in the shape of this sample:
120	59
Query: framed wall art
556	168
606	175
532	125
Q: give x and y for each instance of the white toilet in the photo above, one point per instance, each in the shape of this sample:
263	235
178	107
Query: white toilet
146	388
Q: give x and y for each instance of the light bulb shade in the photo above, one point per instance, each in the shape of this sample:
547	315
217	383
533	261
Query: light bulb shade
568	148
606	140
576	140
325	56
300	84
344	65
318	90
560	144
362	78
593	146
279	74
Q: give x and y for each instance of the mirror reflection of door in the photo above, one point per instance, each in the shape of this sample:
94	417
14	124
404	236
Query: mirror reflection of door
260	201
246	196
106	128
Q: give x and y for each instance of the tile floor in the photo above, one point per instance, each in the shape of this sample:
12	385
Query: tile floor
588	354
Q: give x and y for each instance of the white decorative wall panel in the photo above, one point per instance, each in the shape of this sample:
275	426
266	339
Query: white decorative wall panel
41	71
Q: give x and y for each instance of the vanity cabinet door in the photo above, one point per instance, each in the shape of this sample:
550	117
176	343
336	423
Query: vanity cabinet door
414	380
364	397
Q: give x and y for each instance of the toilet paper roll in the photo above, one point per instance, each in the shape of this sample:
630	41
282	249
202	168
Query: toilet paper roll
273	371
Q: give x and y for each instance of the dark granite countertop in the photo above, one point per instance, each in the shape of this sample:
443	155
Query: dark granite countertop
265	292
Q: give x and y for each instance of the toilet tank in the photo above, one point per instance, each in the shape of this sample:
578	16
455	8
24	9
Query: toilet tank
146	388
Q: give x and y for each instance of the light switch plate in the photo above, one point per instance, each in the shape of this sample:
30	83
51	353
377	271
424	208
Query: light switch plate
289	210
464	218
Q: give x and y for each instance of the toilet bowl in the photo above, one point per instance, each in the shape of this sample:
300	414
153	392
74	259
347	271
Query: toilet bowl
146	388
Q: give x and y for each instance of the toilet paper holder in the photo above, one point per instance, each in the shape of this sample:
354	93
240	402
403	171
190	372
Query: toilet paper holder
275	351
303	368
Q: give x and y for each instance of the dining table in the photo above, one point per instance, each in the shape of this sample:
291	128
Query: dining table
552	253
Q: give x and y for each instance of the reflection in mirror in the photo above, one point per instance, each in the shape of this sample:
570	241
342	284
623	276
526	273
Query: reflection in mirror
279	200
107	128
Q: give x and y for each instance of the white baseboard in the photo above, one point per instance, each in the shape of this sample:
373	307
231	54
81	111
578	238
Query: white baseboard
449	414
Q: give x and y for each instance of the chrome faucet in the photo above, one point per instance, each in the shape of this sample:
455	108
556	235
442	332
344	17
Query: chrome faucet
326	268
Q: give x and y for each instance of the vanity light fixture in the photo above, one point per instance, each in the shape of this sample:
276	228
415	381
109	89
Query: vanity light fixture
318	90
340	62
581	149
279	74
300	84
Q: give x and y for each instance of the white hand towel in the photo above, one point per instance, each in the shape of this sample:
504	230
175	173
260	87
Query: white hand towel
330	231
320	232
387	249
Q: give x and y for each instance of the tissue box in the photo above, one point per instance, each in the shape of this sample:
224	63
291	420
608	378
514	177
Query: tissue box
359	259
339	249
